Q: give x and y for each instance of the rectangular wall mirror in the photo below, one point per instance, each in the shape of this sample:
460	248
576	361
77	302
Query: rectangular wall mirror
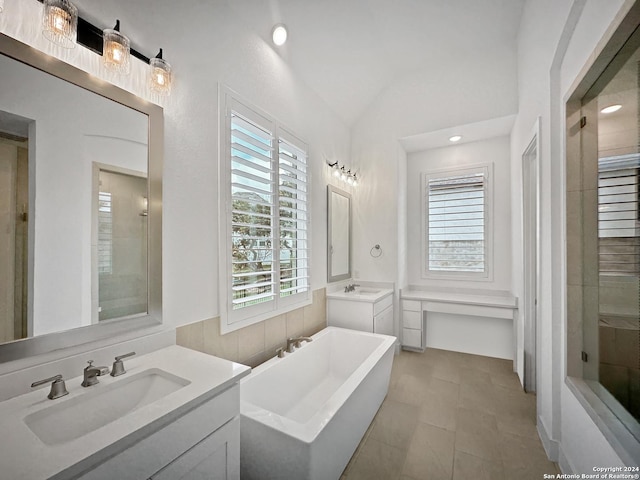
339	234
80	205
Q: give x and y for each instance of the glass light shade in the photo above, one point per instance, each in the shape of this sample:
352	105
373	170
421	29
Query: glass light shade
116	52
60	22
160	76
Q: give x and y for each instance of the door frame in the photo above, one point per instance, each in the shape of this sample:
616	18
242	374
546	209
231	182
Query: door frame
531	257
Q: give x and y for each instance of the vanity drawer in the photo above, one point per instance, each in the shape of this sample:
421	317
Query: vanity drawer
413	305
411	338
412	320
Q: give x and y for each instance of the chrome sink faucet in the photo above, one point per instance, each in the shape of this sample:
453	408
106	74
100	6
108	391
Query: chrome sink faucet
92	373
296	343
351	287
58	387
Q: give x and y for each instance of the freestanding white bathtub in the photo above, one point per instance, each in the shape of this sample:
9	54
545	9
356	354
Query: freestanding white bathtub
303	416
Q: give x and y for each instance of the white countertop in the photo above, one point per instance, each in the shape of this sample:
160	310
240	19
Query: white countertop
485	299
23	455
356	296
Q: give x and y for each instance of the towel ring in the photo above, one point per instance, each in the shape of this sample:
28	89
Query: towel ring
376	248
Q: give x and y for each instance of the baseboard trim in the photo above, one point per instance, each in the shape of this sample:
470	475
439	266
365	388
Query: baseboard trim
565	465
551	447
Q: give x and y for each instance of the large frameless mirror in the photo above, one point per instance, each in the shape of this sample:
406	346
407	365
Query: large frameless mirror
80	196
339	234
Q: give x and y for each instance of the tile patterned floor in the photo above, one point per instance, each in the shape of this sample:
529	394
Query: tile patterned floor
452	416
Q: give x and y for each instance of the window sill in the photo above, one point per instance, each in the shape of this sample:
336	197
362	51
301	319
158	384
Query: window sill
226	327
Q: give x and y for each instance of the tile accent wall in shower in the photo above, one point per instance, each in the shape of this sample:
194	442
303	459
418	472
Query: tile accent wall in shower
256	343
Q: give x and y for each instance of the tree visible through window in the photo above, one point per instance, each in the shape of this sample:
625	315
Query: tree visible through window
269	221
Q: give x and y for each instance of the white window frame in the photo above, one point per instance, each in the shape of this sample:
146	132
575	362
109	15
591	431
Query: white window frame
487	170
230	319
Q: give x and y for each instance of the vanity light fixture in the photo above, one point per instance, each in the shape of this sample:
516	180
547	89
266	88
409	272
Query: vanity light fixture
60	22
160	75
455	138
116	50
343	173
279	34
611	108
349	178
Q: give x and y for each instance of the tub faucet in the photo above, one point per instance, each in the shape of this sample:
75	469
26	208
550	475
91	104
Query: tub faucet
293	343
92	373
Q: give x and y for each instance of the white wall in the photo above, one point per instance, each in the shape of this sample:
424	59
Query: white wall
557	38
218	48
463	90
495	151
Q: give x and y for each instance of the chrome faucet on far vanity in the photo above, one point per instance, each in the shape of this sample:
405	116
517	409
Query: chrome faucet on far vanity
351	287
92	373
296	343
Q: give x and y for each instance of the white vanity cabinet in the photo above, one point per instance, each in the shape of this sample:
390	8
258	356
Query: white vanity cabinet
367	312
202	443
216	457
174	414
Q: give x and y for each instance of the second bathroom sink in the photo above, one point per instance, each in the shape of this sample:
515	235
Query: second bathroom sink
71	419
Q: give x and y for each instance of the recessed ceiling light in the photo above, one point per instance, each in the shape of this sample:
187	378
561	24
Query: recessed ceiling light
279	34
455	138
611	108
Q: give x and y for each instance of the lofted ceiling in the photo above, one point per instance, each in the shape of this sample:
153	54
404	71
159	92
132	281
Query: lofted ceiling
347	51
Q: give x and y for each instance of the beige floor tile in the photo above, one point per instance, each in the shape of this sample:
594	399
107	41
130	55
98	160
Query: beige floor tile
395	423
474	377
469	467
517	425
447	371
477	397
477	422
516	403
489	364
444	389
506	380
430	454
524	454
482	446
471	420
377	460
409	389
405	364
439	411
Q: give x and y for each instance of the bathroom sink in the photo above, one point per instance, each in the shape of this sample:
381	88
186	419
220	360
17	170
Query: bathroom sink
104	403
367	291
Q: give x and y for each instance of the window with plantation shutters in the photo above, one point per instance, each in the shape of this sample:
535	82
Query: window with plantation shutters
252	220
618	227
266	229
456	234
294	219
